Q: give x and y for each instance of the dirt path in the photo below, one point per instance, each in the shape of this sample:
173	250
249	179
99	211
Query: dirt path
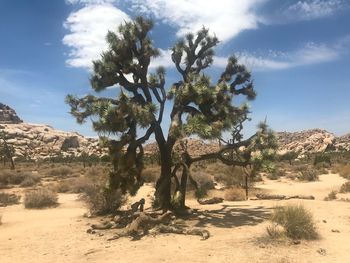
59	234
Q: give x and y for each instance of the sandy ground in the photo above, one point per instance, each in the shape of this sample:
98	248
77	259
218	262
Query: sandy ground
59	234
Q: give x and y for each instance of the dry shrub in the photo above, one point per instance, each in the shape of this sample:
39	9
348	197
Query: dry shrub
40	198
204	180
331	196
75	185
30	180
275	231
102	201
345	188
278	173
296	220
18	177
227	175
343	171
150	174
60	171
308	174
235	194
9	199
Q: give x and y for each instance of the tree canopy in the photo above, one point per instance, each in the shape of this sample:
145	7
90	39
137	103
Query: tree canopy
199	105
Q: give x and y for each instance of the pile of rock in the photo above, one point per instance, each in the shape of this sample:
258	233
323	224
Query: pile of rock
8	115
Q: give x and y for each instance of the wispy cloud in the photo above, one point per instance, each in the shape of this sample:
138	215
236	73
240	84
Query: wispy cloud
88	28
309	54
306	10
226	18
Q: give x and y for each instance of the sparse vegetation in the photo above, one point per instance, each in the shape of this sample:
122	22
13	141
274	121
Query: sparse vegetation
345	188
150	174
75	185
235	194
296	220
308	174
62	171
331	196
343	170
101	201
9	199
40	198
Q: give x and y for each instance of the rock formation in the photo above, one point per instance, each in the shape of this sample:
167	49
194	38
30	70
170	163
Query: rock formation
8	115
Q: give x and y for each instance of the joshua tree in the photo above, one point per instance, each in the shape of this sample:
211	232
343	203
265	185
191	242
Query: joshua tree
6	151
199	106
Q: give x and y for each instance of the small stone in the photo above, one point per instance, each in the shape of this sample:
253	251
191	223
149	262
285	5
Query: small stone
322	251
335	231
324	221
296	242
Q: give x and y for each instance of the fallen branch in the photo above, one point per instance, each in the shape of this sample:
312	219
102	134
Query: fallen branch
214	200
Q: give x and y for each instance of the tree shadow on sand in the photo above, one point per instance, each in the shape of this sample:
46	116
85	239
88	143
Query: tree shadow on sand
230	216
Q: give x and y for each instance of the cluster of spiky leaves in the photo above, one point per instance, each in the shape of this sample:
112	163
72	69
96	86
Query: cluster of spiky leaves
124	64
208	107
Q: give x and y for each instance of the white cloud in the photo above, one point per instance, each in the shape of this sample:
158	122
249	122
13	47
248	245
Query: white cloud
305	10
226	18
313	9
310	54
88	28
164	59
89	2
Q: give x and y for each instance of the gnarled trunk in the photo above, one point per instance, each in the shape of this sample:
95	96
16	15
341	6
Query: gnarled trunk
163	186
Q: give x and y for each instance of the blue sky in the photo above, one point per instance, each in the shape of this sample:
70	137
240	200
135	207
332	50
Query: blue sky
298	52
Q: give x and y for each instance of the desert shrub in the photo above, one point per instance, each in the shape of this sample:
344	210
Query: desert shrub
296	220
150	174
322	168
75	185
204	180
308	174
322	158
60	171
345	188
275	231
235	194
40	198
16	177
278	173
228	175
103	201
343	170
331	196
201	193
9	199
30	180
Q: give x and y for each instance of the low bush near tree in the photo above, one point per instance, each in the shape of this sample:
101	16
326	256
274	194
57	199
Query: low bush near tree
297	222
40	198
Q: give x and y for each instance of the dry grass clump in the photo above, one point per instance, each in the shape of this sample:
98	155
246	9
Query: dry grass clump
228	175
102	201
297	222
75	185
345	188
150	174
9	199
63	171
343	170
235	194
18	178
40	198
278	173
331	196
308	174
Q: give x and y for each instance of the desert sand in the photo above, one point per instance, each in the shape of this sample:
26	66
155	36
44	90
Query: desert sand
236	228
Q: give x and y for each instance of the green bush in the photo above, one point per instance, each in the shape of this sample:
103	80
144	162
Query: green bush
296	220
40	198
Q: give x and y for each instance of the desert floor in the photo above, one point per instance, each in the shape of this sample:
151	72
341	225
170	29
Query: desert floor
236	228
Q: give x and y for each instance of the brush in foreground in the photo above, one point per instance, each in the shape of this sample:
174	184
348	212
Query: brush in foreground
40	198
297	222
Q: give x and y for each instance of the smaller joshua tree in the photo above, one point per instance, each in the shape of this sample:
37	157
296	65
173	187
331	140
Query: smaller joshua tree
7	151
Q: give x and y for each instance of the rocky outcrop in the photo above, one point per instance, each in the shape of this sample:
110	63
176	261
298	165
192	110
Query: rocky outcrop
308	141
36	141
342	143
8	115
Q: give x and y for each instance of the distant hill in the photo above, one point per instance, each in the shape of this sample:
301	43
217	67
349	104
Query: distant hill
39	141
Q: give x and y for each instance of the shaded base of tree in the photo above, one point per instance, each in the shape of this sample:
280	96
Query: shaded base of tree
143	224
